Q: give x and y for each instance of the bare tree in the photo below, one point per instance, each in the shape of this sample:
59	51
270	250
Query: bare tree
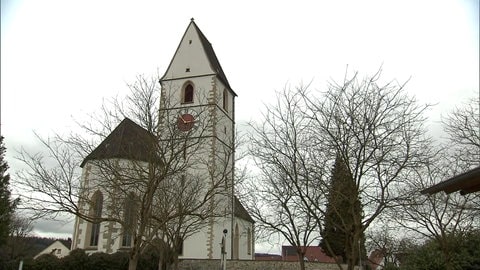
463	128
439	216
384	247
289	171
18	245
377	129
141	171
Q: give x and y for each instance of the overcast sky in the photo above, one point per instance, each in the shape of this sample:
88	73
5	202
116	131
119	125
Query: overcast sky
59	59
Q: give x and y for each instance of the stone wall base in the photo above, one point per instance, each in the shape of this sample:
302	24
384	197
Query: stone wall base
188	264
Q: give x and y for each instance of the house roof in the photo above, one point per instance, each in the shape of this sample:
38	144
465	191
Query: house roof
312	254
65	244
241	212
209	52
466	182
128	140
375	259
267	257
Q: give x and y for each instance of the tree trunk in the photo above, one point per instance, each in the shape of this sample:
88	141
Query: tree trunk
161	262
175	263
301	260
132	262
134	253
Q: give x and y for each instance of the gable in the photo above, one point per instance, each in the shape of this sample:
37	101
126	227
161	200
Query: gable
195	57
54	247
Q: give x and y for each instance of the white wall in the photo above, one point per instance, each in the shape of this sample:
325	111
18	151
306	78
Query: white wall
56	248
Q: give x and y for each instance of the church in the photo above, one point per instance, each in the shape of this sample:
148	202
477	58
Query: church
136	181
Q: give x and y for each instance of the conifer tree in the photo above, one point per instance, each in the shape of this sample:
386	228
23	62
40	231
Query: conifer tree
342	225
7	205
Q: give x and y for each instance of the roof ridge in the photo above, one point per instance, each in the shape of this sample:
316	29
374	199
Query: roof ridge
209	52
212	57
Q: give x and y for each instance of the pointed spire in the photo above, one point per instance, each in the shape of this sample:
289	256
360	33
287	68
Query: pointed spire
209	53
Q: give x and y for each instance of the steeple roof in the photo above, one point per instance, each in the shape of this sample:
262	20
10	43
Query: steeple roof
209	53
128	140
240	211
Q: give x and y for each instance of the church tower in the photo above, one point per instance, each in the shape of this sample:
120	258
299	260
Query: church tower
177	180
197	96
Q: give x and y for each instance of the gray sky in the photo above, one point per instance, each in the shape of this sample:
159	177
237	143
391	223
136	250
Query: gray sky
61	58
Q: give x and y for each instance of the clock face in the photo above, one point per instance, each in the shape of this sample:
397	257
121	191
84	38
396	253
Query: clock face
185	122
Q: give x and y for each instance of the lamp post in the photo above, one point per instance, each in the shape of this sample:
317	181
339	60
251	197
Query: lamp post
223	257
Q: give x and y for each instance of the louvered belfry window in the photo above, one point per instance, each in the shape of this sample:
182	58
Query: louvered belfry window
188	94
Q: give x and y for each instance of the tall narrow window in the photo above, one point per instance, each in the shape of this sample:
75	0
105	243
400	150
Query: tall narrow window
184	149
249	241
225	99
236	242
129	218
179	246
188	94
96	212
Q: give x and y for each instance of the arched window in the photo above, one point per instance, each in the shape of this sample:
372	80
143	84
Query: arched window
96	213
249	241
129	218
225	99
187	93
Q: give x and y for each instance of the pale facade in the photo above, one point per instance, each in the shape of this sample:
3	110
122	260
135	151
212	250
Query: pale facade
197	97
57	249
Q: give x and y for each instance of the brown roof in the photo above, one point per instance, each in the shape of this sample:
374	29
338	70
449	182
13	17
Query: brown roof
128	140
240	211
312	254
267	257
466	182
375	258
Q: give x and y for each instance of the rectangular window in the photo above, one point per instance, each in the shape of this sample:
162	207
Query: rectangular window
127	239
94	235
129	219
96	212
225	99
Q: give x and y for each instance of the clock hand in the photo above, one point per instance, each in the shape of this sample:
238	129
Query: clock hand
183	120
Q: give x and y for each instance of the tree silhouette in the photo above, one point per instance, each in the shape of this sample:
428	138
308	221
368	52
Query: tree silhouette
343	215
7	205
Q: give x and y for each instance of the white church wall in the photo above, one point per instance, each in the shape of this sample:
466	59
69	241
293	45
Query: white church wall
94	179
173	91
189	58
198	245
244	252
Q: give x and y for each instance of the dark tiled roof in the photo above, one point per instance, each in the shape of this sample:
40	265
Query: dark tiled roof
212	57
466	182
128	140
240	211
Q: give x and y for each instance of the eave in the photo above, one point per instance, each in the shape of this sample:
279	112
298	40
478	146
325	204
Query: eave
466	183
